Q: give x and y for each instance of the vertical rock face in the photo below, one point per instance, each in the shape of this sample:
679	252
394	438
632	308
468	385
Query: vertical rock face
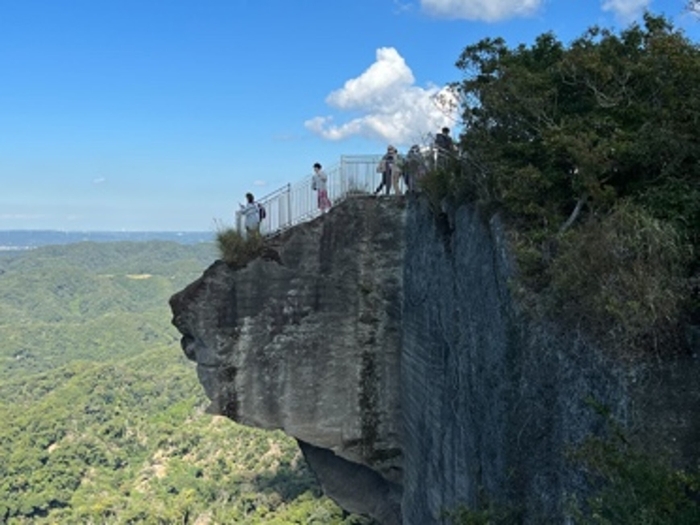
385	339
308	340
492	401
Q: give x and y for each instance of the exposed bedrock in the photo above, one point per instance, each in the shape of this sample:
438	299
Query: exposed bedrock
385	339
308	340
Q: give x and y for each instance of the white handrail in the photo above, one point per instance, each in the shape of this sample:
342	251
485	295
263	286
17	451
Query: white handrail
296	203
354	175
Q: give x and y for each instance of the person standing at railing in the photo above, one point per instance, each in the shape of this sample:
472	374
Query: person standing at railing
396	172
444	146
251	214
319	182
388	168
413	168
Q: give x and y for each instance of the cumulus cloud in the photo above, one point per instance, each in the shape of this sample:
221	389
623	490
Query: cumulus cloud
626	10
484	10
390	106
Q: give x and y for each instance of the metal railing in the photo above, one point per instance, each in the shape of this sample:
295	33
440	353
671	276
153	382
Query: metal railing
296	203
354	175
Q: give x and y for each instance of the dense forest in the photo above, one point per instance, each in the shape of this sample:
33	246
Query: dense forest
103	417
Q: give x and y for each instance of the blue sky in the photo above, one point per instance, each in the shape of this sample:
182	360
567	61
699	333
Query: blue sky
160	115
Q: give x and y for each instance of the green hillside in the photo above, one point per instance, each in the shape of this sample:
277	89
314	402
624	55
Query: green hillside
90	301
103	418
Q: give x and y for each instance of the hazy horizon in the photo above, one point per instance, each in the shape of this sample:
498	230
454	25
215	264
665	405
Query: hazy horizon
17	240
88	230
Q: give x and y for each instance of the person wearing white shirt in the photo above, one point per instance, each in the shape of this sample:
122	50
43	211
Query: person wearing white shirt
251	213
320	184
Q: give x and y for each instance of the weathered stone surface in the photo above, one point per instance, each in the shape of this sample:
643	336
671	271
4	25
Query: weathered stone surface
490	402
385	339
493	401
356	487
309	342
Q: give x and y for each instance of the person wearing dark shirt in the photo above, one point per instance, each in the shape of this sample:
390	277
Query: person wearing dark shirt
386	167
444	146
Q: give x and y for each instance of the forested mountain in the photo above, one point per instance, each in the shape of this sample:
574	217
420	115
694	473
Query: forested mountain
103	418
90	300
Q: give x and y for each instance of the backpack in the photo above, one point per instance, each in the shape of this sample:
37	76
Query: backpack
261	211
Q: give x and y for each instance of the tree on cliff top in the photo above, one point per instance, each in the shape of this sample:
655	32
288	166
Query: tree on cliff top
604	133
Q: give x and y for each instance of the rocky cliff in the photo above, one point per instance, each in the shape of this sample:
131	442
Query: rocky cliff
385	339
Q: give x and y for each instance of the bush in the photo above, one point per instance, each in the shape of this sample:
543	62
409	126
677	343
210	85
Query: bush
621	277
437	185
236	250
632	487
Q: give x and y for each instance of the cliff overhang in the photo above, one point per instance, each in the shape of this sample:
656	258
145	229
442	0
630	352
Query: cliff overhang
308	341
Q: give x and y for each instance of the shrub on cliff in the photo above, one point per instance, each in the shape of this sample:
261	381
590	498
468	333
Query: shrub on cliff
621	277
635	488
237	250
631	486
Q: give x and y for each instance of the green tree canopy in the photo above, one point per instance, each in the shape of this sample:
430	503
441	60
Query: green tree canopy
610	116
600	135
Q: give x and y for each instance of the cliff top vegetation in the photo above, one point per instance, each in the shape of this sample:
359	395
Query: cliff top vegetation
590	151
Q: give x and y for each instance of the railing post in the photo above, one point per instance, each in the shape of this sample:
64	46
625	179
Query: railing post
289	205
343	178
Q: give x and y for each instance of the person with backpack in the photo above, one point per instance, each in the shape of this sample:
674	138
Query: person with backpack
319	183
253	213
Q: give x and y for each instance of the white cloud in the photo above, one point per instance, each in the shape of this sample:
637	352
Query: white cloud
402	7
626	10
382	79
485	10
390	106
99	180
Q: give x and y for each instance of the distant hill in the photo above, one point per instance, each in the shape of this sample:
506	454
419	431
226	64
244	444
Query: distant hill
91	300
14	240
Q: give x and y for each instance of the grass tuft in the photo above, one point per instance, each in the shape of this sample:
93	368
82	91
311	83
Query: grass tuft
236	250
